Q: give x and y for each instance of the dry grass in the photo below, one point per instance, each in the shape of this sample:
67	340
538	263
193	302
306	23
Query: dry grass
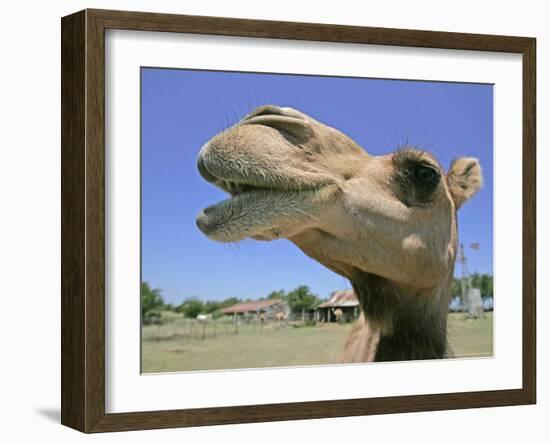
177	345
470	337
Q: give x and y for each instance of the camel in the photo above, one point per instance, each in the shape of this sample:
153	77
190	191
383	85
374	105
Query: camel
281	318
387	223
338	314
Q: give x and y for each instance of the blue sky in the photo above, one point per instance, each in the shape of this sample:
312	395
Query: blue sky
182	109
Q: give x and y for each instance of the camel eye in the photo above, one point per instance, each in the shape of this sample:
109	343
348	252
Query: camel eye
426	174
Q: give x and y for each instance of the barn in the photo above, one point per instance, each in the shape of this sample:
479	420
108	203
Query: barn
344	300
253	309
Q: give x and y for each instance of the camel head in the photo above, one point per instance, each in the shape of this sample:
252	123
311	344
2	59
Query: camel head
290	176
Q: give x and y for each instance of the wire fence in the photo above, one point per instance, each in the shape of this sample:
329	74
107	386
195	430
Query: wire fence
214	328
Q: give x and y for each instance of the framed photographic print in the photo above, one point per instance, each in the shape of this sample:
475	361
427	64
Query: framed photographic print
270	220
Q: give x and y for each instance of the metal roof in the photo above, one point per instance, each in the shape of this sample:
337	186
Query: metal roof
252	306
341	298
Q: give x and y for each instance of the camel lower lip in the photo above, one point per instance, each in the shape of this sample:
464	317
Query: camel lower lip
214	217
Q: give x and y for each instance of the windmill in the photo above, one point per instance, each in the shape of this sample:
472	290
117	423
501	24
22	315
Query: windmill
465	282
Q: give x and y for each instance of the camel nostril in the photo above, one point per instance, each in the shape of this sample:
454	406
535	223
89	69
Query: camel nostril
273	111
292	124
264	110
287	122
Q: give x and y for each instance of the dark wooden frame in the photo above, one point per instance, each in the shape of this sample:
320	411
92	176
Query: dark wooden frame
83	217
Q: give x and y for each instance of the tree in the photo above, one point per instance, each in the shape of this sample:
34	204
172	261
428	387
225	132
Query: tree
191	308
486	286
278	294
475	280
211	306
483	282
151	304
229	302
301	299
456	288
168	307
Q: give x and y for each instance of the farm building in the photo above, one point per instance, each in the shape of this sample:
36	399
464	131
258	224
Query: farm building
268	307
344	301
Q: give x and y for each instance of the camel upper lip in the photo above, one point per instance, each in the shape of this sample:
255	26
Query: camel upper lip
238	182
230	185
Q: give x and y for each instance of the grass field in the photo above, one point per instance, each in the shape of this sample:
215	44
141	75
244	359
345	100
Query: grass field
178	344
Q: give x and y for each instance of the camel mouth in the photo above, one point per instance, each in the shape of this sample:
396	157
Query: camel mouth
235	188
256	208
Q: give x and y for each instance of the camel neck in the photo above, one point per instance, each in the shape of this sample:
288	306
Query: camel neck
409	326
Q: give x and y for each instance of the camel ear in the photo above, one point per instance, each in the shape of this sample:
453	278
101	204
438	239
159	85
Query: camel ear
464	179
